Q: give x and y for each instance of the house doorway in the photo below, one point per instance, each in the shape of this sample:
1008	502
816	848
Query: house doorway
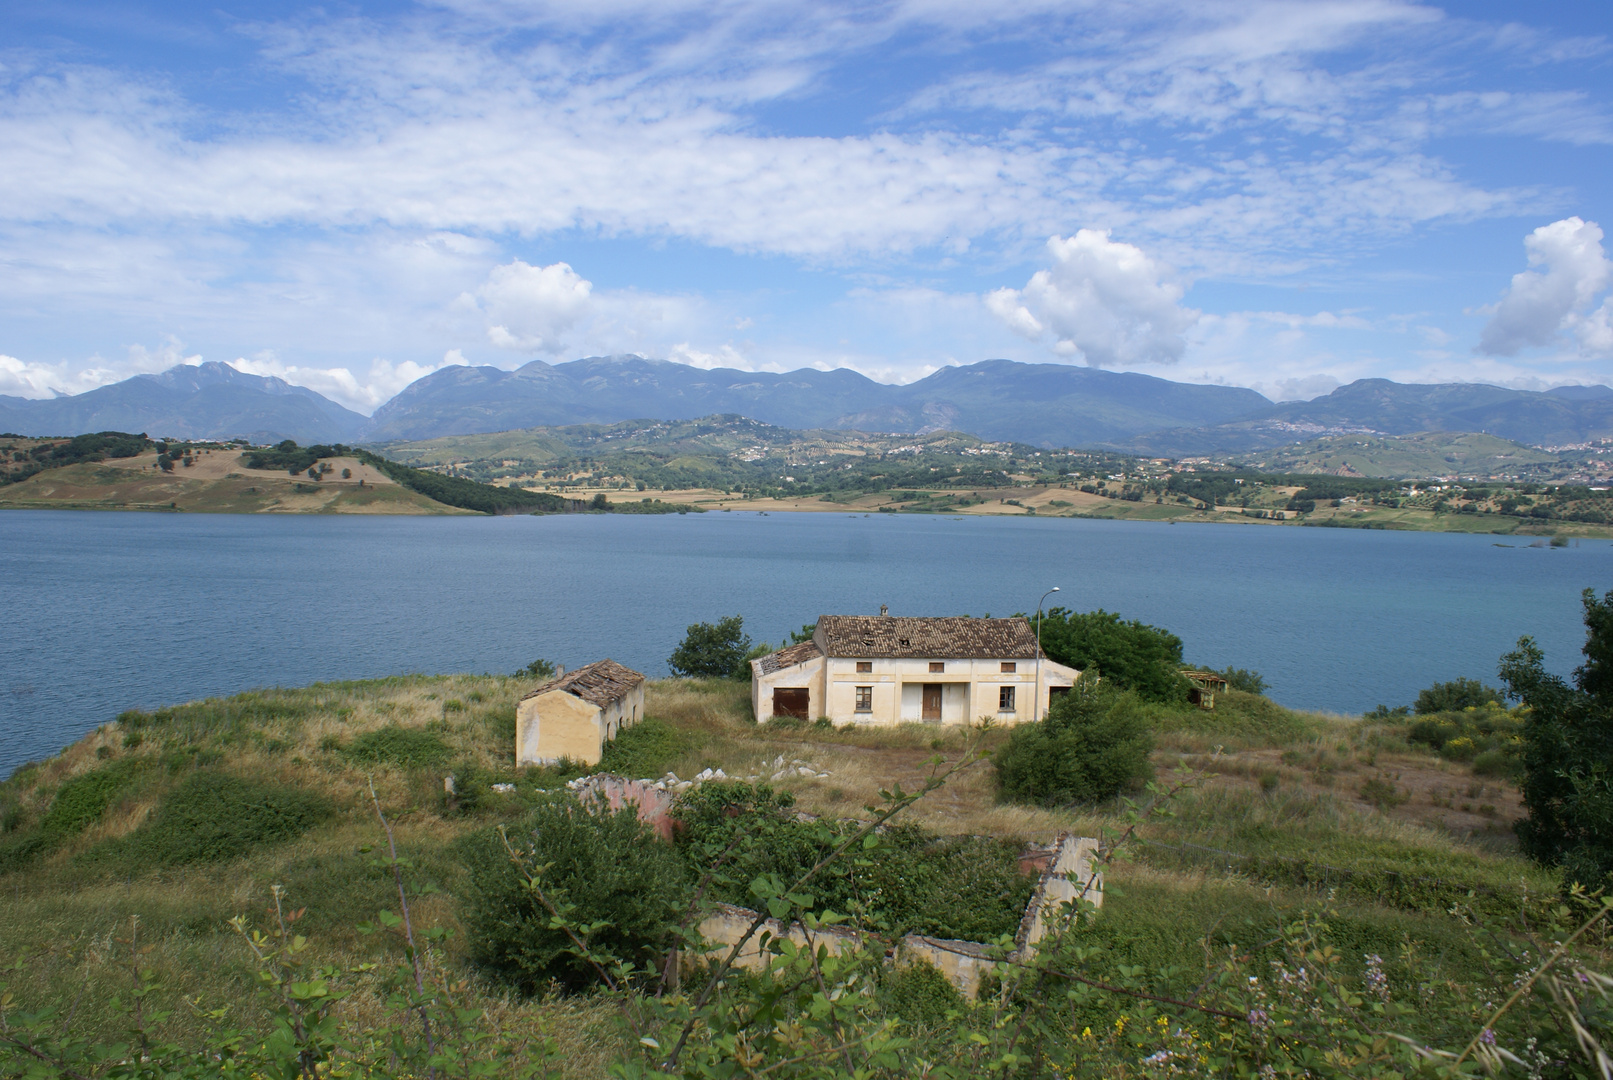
791	701
932	701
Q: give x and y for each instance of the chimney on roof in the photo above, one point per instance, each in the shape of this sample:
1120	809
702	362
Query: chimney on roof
884	610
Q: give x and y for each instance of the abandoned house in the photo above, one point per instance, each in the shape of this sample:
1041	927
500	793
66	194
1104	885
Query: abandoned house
1206	684
575	715
886	669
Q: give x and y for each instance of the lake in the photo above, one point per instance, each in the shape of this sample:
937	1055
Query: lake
109	611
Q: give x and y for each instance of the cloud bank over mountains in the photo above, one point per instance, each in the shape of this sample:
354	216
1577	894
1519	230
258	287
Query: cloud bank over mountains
1556	299
1101	301
1269	193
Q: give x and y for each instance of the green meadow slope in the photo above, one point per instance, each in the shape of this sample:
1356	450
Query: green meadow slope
187	817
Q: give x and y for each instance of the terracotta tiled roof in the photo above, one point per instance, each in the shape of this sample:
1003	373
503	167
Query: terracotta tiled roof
795	654
896	636
599	683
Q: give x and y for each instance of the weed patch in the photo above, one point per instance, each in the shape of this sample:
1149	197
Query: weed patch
647	749
81	801
1247	717
212	816
908	881
411	748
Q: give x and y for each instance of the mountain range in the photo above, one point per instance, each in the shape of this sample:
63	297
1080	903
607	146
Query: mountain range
190	401
1041	404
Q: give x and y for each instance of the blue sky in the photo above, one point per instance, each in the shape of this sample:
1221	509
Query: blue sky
1287	196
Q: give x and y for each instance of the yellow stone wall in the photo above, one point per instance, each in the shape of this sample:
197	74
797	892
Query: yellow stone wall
559	724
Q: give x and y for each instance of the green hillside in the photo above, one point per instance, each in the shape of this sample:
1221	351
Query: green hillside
139	844
1421	456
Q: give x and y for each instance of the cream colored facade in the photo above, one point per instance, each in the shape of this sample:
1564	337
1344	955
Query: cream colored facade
575	716
887	690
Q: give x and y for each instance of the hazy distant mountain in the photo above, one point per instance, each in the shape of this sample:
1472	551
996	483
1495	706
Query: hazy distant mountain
205	401
1041	404
1561	417
1045	404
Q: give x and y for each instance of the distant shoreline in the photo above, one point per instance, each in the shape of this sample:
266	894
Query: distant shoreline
1027	504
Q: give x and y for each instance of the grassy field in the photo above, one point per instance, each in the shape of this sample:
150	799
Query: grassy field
1289	812
216	483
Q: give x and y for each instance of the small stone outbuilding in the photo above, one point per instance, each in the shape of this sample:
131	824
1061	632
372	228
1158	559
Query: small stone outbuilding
575	715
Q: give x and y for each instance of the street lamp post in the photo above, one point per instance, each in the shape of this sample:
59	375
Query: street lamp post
1036	702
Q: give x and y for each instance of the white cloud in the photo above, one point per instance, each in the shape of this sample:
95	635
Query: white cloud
382	380
724	356
1304	388
1541	303
37	379
531	308
1102	300
394	161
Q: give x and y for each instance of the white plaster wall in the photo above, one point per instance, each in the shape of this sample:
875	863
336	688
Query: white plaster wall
969	694
808	674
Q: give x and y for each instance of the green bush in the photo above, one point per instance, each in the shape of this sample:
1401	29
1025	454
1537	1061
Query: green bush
647	749
910	881
212	816
921	995
1131	655
1244	679
412	748
81	801
712	650
1092	745
606	867
1568	748
1454	696
1498	763
540	669
1471	733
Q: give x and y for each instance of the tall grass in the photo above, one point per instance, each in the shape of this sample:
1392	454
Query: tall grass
1159	908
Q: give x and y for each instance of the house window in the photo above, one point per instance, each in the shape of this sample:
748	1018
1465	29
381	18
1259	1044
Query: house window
1005	699
938	665
864	667
1009	667
865	699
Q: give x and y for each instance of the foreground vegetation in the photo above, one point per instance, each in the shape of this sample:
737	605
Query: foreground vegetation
1307	853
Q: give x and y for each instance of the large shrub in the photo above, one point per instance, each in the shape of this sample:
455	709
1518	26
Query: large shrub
1092	745
911	880
1454	696
1472	732
1130	654
712	650
607	868
1568	752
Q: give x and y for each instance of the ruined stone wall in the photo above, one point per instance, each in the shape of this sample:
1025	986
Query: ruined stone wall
1070	873
652	798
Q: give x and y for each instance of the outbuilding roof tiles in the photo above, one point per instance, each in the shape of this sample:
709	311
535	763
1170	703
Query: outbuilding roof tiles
902	637
599	683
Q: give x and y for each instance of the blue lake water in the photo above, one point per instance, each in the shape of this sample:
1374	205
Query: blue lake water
108	611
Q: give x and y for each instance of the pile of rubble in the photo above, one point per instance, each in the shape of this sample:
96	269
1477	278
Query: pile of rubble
778	769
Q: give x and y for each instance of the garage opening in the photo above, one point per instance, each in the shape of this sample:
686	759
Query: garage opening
790	701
